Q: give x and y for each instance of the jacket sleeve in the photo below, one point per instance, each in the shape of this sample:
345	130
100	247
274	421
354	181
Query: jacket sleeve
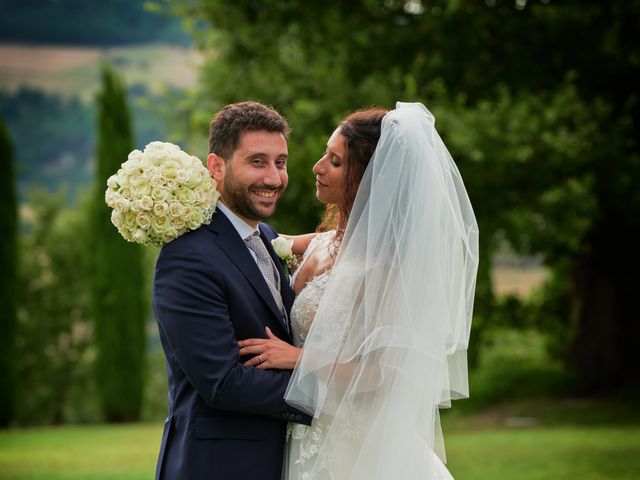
191	309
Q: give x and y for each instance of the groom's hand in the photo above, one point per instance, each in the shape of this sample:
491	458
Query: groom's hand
270	352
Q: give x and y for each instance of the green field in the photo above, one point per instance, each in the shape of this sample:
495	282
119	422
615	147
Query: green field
474	453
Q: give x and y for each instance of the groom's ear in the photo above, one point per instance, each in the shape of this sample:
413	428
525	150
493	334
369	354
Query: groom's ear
216	165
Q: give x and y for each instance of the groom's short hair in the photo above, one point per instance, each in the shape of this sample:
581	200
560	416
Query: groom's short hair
237	118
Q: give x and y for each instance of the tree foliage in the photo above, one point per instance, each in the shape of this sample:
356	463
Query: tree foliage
54	349
117	271
86	22
9	261
536	100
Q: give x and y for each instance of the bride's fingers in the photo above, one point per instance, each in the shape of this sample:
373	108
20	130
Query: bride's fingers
252	341
270	334
255	361
253	350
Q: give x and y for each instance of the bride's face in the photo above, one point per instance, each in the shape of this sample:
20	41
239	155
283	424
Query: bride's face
330	170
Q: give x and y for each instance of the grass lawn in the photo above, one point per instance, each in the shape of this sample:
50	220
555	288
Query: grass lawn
80	452
475	452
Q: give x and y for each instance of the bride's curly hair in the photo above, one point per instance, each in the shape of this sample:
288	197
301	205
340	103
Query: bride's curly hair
361	130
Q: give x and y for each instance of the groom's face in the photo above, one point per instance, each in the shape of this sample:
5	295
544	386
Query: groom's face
252	181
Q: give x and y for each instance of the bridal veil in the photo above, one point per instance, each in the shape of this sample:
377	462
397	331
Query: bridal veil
388	344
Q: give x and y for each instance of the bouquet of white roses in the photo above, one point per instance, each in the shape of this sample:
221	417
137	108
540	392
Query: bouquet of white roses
159	194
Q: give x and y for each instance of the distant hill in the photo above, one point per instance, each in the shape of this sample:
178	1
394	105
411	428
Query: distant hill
87	22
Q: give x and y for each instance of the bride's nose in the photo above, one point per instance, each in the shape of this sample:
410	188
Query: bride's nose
318	168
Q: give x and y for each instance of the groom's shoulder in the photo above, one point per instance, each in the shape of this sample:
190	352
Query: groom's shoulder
194	242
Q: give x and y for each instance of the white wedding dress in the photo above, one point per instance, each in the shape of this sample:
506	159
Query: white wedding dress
307	456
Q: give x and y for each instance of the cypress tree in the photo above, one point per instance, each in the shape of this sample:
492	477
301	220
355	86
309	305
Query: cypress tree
117	271
8	279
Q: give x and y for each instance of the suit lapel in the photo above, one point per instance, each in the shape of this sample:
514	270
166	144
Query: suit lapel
233	246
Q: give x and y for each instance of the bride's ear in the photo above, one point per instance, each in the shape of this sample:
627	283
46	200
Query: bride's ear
216	166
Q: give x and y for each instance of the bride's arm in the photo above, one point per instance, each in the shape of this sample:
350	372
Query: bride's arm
300	242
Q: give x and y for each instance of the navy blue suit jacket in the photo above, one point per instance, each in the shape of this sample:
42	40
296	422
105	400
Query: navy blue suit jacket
225	421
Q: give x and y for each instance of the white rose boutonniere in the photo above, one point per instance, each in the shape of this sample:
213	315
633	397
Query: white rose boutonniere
282	247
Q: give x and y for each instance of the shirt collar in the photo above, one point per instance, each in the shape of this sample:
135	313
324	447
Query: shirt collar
243	228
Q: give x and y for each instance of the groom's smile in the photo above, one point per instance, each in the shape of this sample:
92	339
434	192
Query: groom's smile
252	181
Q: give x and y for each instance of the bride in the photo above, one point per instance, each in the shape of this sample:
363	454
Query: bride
384	300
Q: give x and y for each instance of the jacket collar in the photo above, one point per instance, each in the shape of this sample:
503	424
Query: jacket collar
230	242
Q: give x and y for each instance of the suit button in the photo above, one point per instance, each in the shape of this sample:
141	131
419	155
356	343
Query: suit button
298	417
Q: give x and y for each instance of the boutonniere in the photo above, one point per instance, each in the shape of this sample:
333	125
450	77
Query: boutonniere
283	250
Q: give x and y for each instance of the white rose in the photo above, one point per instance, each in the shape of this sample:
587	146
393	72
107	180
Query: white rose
160	194
169	169
196	219
126	234
186	196
282	246
121	205
147	203
135	157
140	236
137	179
172	184
187	211
169	235
149	172
175	209
111	197
160	225
132	166
147	164
202	194
182	176
157	181
130	220
143	220
126	192
160	208
178	223
141	190
136	206
122	178
195	177
117	218
112	182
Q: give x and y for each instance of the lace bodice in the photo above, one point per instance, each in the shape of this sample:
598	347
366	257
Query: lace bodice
306	303
304	442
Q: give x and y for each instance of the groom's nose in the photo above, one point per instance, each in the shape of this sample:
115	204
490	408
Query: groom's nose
274	177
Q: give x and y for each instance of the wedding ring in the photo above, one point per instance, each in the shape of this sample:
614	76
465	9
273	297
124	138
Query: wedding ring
260	359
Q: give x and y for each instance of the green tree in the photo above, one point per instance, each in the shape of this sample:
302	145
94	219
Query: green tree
8	260
54	351
537	100
117	275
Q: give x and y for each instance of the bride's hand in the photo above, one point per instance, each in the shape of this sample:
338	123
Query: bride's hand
270	352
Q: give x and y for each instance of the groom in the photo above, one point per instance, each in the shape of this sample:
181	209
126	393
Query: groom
214	286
